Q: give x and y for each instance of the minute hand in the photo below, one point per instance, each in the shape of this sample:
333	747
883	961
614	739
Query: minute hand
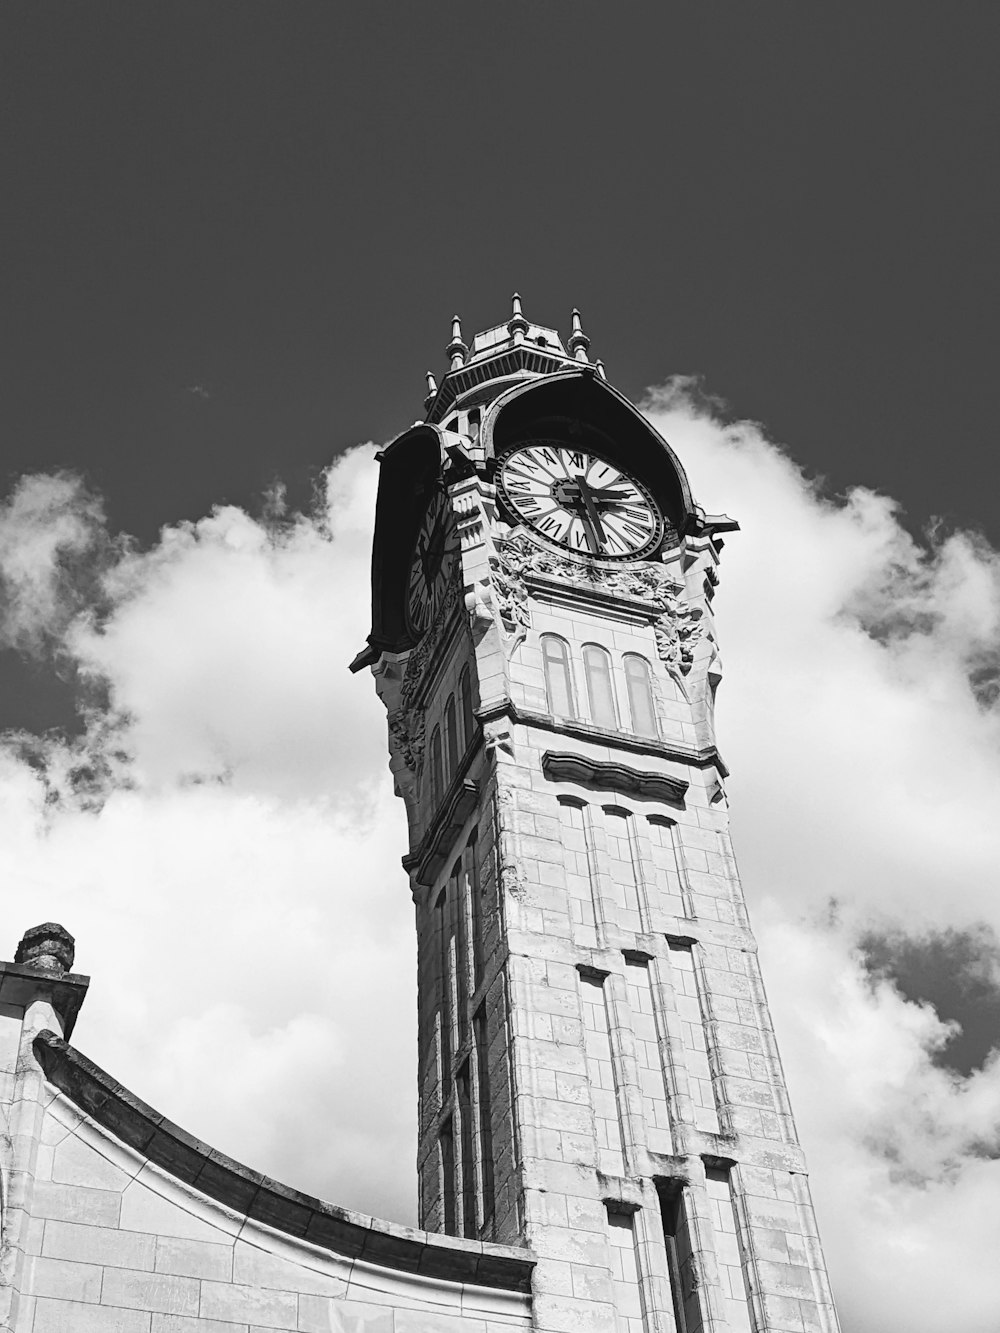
587	495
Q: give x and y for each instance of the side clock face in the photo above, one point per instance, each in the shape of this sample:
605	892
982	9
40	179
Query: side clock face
433	562
580	500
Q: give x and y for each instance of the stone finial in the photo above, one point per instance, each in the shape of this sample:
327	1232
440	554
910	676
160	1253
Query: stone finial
578	340
517	325
50	947
456	349
432	389
600	369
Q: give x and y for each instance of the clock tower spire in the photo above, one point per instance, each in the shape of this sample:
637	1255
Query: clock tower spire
599	1079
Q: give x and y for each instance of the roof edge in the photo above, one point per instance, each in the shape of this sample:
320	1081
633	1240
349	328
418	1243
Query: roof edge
257	1197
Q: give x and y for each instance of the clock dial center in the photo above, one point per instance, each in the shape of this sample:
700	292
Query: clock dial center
580	500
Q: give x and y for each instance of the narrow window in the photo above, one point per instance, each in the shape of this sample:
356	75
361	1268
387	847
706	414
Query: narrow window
446	1140
450	738
445	993
684	1280
600	1072
437	781
640	694
474	424
465	699
695	1029
728	1252
463	1084
458	887
558	681
475	906
600	691
481	1043
625	1272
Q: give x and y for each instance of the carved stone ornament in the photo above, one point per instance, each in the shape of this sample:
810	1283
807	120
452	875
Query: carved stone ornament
677	626
50	947
406	725
407	730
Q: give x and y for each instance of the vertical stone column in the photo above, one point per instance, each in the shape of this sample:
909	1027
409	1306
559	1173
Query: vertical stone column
37	993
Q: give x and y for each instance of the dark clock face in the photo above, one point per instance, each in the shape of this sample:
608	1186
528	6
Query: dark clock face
433	563
580	500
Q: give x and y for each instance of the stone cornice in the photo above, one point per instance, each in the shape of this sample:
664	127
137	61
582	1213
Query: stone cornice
524	359
613	777
708	757
255	1196
429	856
20	983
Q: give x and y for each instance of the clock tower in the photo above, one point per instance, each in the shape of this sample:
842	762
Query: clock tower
599	1079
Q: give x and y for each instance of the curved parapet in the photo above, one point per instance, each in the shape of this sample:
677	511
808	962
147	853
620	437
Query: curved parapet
135	1214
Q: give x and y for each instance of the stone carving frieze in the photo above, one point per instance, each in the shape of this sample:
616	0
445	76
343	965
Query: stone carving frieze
677	625
406	729
406	724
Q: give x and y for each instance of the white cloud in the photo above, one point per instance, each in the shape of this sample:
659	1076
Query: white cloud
908	1205
50	529
238	898
865	770
240	903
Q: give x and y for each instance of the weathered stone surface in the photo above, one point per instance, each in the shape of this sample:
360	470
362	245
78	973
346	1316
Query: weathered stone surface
50	947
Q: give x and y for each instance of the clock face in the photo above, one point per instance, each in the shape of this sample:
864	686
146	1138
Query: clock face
432	565
580	500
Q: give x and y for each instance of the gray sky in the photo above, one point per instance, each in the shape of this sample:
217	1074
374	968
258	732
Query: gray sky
234	236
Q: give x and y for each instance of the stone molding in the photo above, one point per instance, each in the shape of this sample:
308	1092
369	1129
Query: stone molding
613	777
66	991
522	566
260	1199
434	848
586	731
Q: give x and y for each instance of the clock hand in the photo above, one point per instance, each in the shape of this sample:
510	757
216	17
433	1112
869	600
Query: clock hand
608	495
430	556
595	526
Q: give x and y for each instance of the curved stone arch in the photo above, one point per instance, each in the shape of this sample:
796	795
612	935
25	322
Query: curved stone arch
162	1217
600	407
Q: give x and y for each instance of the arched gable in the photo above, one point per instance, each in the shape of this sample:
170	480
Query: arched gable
411	465
585	410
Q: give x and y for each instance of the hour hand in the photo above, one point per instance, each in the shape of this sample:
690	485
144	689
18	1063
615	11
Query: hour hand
591	518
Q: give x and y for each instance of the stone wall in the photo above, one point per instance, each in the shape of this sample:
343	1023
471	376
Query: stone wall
116	1221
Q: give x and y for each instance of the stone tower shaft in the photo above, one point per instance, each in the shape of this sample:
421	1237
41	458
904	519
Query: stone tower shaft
599	1078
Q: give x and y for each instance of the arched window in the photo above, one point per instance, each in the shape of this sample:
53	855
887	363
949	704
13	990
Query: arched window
640	694
600	690
450	738
437	782
465	701
558	680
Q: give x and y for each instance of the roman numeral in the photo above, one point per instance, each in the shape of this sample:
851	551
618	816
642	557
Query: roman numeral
633	530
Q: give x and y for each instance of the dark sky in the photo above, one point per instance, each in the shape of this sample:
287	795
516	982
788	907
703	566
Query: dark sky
233	234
